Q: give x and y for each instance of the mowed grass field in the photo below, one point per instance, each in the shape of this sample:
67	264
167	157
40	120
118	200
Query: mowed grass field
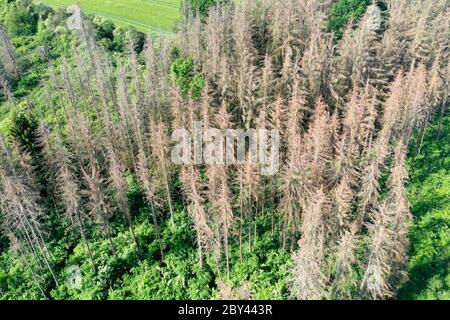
150	16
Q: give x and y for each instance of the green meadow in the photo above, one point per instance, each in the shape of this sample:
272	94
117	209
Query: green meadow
154	16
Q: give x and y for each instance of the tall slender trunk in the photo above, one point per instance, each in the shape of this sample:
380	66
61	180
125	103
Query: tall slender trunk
284	234
227	255
86	243
420	139
111	243
241	231
32	248
124	205
41	247
169	198
158	236
131	226
441	118
33	274
200	250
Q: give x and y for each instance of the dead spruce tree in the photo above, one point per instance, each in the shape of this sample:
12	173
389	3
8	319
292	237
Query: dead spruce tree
192	188
222	200
23	213
118	181
98	203
146	181
309	278
67	186
8	56
160	144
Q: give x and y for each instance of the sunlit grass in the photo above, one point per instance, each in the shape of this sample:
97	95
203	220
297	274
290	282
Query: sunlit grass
156	16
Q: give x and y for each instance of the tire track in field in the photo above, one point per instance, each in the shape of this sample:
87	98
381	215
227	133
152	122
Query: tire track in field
131	22
164	3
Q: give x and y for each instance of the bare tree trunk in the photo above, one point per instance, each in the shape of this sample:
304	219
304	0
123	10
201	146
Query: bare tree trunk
33	274
32	249
41	247
420	138
441	118
111	243
158	236
200	250
227	254
86	243
168	195
241	226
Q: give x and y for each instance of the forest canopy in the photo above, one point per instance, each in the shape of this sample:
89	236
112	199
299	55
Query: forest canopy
93	207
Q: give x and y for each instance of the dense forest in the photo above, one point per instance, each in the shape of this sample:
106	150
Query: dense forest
92	205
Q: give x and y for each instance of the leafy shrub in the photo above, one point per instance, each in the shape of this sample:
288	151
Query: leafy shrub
21	19
203	6
344	11
429	272
123	36
24	128
188	80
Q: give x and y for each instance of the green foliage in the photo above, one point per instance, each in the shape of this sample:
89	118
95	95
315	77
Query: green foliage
21	19
3	243
203	6
149	16
429	268
104	29
140	272
16	280
115	38
188	80
24	129
196	86
123	36
266	270
344	11
3	280
42	41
